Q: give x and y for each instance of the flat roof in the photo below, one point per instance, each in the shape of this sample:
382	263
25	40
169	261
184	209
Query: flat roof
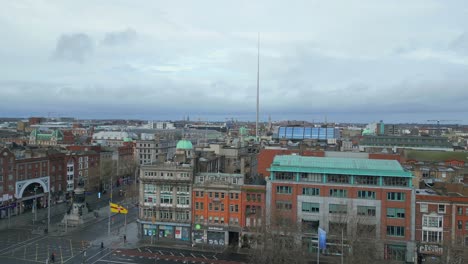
349	166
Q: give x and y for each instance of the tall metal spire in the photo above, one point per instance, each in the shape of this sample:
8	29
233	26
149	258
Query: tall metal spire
258	86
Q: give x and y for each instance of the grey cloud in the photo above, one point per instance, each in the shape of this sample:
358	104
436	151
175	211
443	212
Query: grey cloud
119	37
73	47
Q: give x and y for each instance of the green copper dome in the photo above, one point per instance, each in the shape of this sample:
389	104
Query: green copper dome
184	144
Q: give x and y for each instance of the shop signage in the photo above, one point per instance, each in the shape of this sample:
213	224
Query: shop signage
215	228
197	227
431	249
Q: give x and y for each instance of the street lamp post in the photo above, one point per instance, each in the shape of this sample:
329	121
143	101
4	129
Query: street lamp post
35	206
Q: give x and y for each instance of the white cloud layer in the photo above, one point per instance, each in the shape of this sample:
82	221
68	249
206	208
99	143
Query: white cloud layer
350	60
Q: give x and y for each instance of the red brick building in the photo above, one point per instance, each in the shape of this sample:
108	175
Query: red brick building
217	208
441	223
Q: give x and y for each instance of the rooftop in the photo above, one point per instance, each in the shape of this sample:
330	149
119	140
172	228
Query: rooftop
347	166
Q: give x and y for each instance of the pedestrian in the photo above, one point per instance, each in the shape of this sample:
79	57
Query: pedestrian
102	245
52	257
125	238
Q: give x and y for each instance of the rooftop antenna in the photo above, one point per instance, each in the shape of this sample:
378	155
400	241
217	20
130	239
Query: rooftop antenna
258	85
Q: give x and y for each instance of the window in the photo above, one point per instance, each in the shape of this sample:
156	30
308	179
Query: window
311	207
432	221
222	195
366	195
396	231
423	208
234	208
311	177
211	195
396	196
460	210
396	181
396	212
441	208
284	176
210	206
311	191
338	193
183	199
338	178
460	224
165	215
283	189
259	197
337	208
395	252
366	210
466	225
366	180
166	188
283	205
432	236
166	199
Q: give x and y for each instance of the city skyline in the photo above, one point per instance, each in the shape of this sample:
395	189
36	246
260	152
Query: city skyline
399	61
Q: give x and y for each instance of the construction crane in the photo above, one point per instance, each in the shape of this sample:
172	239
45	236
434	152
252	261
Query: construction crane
438	123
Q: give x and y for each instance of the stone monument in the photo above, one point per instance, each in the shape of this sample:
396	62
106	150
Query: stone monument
78	214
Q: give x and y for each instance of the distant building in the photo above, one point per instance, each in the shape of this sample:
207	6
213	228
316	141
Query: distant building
301	133
151	149
47	138
370	143
113	138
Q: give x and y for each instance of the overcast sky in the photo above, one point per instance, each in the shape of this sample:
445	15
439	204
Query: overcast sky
362	61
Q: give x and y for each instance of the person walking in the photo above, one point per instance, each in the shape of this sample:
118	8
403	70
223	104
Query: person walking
125	239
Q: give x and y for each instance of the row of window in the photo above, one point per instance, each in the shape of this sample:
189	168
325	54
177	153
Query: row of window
361	210
342	179
220	195
167	174
341	193
217	220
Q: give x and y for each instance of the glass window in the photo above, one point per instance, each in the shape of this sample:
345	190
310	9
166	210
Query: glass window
338	178
337	208
366	195
432	236
283	205
311	191
311	177
441	208
396	231
396	212
396	196
423	208
284	189
338	193
366	210
432	221
311	207
366	180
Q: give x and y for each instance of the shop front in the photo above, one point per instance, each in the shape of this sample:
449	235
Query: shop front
165	231
216	236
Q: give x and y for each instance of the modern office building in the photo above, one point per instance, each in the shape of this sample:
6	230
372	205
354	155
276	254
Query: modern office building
366	201
300	133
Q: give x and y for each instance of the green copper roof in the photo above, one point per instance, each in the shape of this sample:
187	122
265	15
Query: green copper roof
348	166
127	139
184	144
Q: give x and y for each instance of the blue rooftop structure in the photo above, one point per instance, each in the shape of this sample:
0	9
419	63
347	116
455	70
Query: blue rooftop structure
299	133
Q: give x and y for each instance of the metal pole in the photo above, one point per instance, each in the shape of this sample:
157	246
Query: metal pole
258	87
342	247
110	200
9	216
318	247
48	210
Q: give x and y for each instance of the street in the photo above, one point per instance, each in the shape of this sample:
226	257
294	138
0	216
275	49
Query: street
22	244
